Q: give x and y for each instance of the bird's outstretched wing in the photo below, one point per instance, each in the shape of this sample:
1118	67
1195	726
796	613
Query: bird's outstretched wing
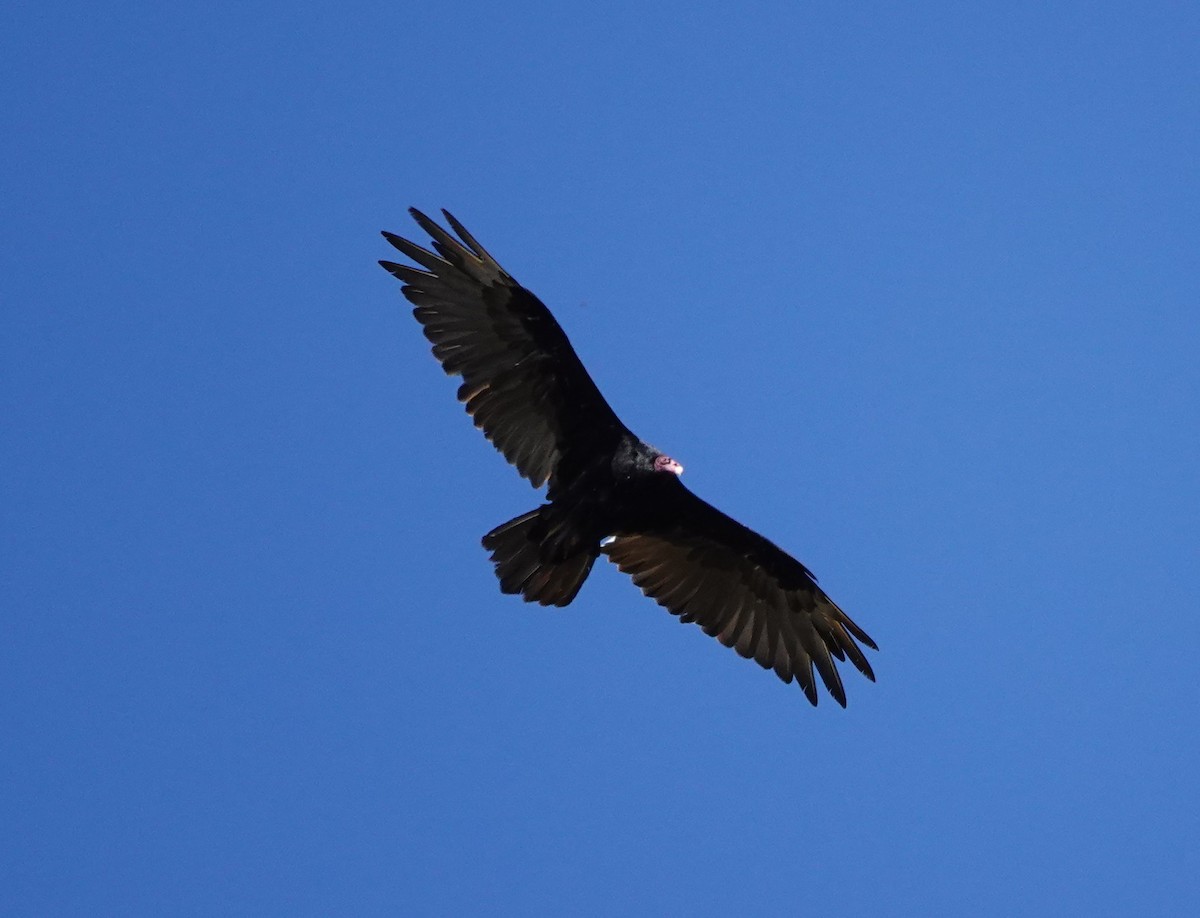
707	568
523	383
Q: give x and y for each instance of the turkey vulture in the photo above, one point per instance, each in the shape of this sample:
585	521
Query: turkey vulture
609	492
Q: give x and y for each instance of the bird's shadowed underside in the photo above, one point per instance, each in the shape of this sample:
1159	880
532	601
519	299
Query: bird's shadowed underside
608	491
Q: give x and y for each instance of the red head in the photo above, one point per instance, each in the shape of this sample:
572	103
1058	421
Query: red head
667	464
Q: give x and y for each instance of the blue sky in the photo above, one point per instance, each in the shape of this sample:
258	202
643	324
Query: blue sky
909	288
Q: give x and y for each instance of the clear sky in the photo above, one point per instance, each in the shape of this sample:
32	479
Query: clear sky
912	289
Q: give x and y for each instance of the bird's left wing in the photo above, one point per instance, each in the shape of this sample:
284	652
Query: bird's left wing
523	383
707	568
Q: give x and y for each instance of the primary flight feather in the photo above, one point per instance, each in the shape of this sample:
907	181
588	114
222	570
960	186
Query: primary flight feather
608	491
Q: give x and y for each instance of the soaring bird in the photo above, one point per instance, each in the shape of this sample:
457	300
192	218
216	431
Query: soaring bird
608	492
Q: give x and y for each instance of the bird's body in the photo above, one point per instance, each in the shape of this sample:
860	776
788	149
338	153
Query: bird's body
607	491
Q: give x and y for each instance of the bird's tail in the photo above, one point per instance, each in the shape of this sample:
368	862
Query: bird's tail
540	558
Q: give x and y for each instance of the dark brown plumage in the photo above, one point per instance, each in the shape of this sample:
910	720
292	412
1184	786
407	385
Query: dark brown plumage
607	490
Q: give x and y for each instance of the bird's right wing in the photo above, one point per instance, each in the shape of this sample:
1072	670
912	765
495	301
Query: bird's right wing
749	594
523	383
